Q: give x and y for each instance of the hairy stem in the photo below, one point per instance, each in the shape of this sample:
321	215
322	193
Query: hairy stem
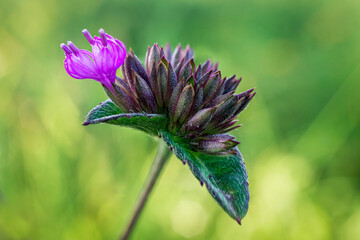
162	155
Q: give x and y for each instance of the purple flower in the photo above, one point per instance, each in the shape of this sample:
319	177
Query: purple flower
107	55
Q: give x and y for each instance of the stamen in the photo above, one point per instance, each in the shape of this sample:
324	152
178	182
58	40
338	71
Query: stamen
103	37
73	48
66	49
88	36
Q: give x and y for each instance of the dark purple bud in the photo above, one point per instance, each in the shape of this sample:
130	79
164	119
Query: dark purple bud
242	104
221	87
225	111
206	66
218	137
162	53
185	71
144	93
178	68
153	58
198	73
174	98
211	146
220	100
219	144
192	64
153	83
188	53
199	120
122	99
177	56
215	67
121	83
132	63
137	66
162	81
231	84
184	103
226	127
168	52
127	72
211	87
245	94
204	78
198	100
172	82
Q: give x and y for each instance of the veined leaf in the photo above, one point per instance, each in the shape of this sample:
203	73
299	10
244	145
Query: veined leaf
225	177
108	112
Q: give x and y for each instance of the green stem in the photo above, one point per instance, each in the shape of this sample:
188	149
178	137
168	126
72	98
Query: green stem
162	155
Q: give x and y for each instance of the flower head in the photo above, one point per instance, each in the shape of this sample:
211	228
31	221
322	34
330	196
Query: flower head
107	55
200	104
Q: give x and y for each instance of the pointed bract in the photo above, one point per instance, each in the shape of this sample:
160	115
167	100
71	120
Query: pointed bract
199	120
184	104
144	94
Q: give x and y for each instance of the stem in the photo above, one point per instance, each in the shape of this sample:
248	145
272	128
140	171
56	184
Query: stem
162	155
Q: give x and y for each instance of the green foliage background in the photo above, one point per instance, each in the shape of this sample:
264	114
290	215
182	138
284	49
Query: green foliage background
300	140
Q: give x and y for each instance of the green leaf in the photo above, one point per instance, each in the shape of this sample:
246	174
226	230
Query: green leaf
224	176
108	112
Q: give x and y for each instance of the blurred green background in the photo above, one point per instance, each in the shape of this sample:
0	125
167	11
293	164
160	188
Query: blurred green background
300	139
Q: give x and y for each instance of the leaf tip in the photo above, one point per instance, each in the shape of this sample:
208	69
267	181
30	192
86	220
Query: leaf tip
86	123
238	220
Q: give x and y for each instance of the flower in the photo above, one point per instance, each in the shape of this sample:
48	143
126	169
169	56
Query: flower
107	55
200	104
